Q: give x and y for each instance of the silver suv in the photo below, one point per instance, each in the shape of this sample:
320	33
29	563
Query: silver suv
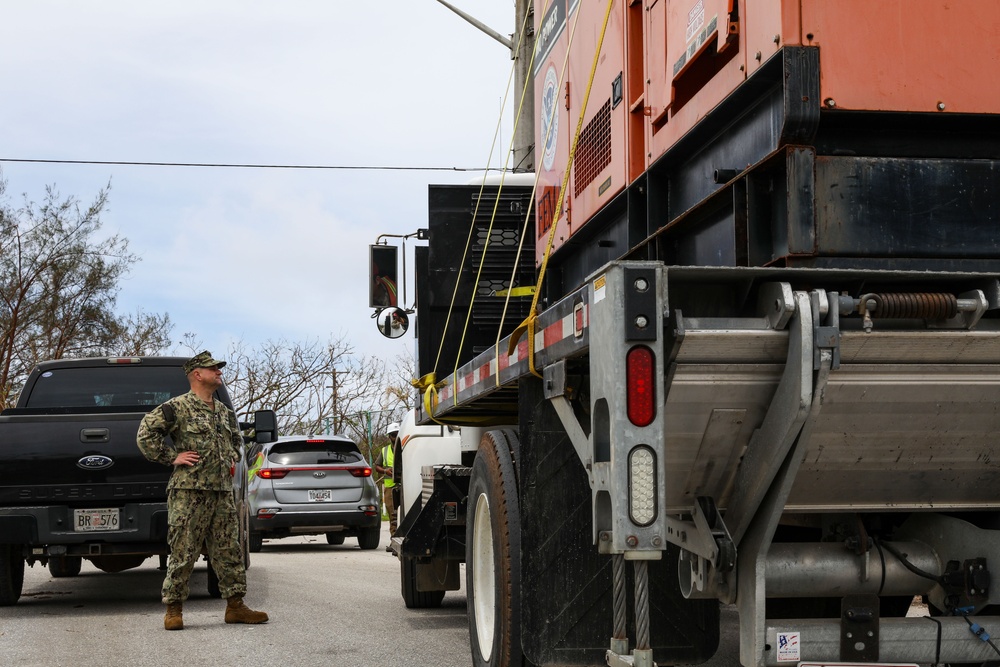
313	485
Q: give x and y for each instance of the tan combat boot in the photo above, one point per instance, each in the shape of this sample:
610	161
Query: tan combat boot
173	620
237	612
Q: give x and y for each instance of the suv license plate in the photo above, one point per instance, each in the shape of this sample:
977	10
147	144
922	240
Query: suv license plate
85	521
320	495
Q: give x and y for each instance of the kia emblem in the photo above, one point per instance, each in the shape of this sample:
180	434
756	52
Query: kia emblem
319	474
95	462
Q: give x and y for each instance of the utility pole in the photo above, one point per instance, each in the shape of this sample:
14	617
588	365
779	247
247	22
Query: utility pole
333	372
524	134
520	52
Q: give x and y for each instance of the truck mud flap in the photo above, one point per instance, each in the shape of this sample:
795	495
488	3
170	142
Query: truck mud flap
566	589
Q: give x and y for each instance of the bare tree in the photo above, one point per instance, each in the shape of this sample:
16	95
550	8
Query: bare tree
315	388
58	287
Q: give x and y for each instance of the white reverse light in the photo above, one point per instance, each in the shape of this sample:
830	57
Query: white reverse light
642	485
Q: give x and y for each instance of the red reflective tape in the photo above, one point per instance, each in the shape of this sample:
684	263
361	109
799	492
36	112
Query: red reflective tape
552	334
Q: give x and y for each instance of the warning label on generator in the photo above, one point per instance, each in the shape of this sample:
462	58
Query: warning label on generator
696	19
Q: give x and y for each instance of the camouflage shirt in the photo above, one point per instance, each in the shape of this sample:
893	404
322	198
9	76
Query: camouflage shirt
214	434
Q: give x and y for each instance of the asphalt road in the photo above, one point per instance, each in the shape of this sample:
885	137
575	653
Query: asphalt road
329	605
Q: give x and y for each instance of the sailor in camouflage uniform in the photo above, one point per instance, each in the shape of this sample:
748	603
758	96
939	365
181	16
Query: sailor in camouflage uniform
200	507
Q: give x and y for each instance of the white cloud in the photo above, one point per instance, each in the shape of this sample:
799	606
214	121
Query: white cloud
247	253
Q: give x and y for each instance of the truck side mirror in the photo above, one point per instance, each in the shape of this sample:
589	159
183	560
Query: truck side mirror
392	322
265	426
383	269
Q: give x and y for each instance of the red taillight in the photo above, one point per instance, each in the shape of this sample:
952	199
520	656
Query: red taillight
273	473
640	382
361	472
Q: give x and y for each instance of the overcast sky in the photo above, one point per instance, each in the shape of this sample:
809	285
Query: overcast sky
252	254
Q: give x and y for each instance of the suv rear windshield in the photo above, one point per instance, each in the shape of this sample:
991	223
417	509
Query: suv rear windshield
302	453
113	386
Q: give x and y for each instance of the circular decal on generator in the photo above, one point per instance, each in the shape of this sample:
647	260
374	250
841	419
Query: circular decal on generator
550	117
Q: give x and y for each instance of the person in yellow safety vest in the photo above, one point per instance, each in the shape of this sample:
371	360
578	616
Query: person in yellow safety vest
383	465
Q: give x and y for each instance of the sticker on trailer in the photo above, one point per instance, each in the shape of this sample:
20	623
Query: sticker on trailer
789	647
600	287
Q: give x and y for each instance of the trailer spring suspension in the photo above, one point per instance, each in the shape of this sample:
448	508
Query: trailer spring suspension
921	305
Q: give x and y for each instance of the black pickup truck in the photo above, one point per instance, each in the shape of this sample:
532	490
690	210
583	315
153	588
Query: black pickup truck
75	485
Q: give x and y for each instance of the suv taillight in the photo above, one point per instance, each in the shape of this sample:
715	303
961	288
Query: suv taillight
273	473
361	472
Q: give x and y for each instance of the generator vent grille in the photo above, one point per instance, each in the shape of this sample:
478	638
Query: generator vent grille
593	154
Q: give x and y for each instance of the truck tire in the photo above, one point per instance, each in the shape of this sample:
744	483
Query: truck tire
412	598
492	555
65	566
335	537
11	574
255	541
368	538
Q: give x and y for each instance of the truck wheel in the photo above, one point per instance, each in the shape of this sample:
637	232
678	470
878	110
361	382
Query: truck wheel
213	583
65	566
11	574
412	598
368	538
336	537
255	541
492	555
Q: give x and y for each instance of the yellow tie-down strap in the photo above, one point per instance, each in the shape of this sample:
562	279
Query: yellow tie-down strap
428	386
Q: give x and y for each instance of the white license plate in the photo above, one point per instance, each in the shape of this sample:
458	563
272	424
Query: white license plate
320	495
85	521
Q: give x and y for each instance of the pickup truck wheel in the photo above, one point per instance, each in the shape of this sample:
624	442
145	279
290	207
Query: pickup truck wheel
412	598
65	566
335	537
11	574
492	555
368	538
213	583
245	532
255	541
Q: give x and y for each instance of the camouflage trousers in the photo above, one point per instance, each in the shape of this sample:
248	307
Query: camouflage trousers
203	520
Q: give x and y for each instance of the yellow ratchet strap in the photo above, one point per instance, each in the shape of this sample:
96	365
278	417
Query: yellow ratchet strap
529	322
516	291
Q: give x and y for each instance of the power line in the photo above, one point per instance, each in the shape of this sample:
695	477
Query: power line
229	165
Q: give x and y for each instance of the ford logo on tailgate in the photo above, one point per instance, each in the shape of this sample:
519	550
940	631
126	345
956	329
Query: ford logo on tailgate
95	462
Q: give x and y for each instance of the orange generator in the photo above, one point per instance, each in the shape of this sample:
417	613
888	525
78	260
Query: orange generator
822	133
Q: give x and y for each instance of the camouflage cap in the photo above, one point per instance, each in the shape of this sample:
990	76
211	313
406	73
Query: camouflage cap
202	360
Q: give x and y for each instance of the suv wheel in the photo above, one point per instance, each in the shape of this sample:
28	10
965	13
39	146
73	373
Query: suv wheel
255	541
368	538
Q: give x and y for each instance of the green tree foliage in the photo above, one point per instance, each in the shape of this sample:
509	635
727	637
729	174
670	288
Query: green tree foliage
59	280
